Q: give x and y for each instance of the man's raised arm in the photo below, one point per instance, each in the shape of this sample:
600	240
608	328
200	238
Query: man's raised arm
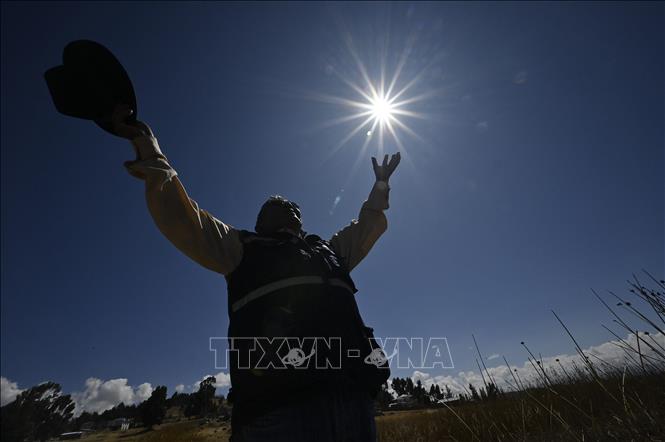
195	232
354	241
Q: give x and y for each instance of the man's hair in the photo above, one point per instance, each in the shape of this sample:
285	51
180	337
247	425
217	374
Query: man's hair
265	224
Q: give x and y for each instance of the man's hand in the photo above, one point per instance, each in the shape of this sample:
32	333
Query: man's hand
129	130
386	169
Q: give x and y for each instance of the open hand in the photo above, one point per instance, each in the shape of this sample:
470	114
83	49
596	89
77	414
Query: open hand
131	129
386	169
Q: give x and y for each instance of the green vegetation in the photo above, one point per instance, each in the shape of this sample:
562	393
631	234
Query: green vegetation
38	413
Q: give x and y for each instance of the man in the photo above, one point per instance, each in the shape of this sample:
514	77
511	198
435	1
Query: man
283	284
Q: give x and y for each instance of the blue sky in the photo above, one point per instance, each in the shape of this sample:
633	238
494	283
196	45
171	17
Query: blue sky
537	174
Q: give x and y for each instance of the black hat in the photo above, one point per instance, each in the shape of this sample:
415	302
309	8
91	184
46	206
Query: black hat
90	83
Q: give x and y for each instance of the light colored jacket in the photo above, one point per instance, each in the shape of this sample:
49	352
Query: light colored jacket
215	244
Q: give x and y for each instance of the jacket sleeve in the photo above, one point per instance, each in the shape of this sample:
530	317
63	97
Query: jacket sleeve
354	241
195	232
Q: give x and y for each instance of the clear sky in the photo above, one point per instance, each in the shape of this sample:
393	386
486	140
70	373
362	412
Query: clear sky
537	173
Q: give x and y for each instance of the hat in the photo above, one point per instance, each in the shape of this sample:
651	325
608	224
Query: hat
90	83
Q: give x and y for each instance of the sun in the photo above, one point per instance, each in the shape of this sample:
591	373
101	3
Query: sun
381	108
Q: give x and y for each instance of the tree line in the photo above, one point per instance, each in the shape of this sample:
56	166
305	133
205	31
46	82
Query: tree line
43	412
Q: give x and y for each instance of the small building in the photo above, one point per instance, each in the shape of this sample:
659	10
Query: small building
120	423
403	401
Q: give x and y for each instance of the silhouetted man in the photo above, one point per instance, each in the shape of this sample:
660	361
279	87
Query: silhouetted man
283	284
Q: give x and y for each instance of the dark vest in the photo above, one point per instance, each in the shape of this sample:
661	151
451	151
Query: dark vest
298	288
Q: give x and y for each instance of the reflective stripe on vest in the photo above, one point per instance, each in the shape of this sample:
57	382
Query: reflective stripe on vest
284	283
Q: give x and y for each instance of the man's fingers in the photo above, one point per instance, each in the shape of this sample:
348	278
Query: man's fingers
120	114
384	171
394	161
144	128
124	129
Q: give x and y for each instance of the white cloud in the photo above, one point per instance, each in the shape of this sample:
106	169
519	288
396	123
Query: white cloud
494	356
610	352
482	126
100	396
8	391
420	376
222	379
142	392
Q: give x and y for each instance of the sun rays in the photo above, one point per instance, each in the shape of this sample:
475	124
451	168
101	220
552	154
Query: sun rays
384	99
381	108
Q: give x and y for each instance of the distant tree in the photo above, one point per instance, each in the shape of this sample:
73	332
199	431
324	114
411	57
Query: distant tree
201	402
409	386
449	394
420	394
39	413
207	394
399	385
383	397
153	410
180	400
84	418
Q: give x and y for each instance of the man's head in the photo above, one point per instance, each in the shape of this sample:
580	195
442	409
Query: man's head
278	213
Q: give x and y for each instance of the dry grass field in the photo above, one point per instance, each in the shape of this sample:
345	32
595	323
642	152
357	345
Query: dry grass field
595	400
619	409
624	408
193	430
